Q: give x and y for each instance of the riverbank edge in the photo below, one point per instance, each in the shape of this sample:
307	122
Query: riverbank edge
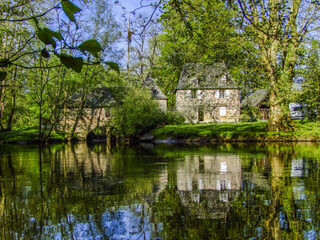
198	133
235	140
305	131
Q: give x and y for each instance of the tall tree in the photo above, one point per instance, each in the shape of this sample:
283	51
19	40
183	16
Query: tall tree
204	31
279	28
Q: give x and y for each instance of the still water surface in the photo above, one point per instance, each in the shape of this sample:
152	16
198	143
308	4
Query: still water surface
226	191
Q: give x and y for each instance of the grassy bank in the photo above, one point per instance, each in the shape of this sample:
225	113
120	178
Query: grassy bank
247	131
28	135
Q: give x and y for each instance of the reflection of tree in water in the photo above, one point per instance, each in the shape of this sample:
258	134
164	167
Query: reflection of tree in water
76	191
277	198
69	191
271	211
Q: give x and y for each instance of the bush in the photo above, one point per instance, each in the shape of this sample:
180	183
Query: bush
174	118
248	114
138	114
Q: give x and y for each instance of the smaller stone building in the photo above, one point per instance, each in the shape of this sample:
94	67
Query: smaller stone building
207	93
85	112
156	93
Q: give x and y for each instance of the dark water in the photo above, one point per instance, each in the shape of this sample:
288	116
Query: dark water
160	192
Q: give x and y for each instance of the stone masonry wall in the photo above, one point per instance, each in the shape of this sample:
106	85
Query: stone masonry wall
162	104
88	121
208	106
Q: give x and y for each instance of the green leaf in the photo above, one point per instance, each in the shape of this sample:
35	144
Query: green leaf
45	37
113	66
75	63
4	62
3	76
92	46
36	21
69	9
57	35
45	53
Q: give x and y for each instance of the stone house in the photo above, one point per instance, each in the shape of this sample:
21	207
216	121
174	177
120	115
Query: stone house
84	113
207	93
156	93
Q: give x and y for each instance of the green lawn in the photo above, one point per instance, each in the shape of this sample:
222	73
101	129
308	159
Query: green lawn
237	131
29	134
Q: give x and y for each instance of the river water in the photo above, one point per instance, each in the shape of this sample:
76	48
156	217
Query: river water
224	191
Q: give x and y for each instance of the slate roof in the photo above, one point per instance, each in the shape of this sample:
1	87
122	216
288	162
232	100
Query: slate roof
205	76
156	92
98	97
255	98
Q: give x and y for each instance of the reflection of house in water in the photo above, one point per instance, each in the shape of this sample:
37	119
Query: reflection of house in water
83	162
297	168
207	184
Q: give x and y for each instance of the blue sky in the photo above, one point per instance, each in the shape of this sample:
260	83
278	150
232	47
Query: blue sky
131	5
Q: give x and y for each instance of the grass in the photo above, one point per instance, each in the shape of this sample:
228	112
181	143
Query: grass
244	131
28	134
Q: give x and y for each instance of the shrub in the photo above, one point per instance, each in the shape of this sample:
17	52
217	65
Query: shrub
137	114
174	118
249	114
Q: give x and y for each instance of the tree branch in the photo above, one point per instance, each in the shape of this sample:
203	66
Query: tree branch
30	18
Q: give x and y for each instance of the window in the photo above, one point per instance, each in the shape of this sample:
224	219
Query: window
222	94
199	94
223	80
223	167
217	94
227	93
223	111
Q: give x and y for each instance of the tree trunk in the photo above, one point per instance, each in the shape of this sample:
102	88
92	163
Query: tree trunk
280	86
279	119
12	112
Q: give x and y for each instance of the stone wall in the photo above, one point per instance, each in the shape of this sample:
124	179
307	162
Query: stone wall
89	120
209	172
162	104
209	105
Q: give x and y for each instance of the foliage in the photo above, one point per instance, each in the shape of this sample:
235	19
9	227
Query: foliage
47	36
209	32
311	86
259	41
278	32
174	118
37	85
249	114
137	114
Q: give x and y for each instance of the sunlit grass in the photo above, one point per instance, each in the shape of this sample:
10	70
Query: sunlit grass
29	134
304	130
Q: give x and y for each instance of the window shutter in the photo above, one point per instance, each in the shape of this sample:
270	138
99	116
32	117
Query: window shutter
217	94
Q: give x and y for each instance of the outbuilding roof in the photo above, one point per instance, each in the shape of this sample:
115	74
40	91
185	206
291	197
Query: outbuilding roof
205	76
156	92
98	97
256	98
